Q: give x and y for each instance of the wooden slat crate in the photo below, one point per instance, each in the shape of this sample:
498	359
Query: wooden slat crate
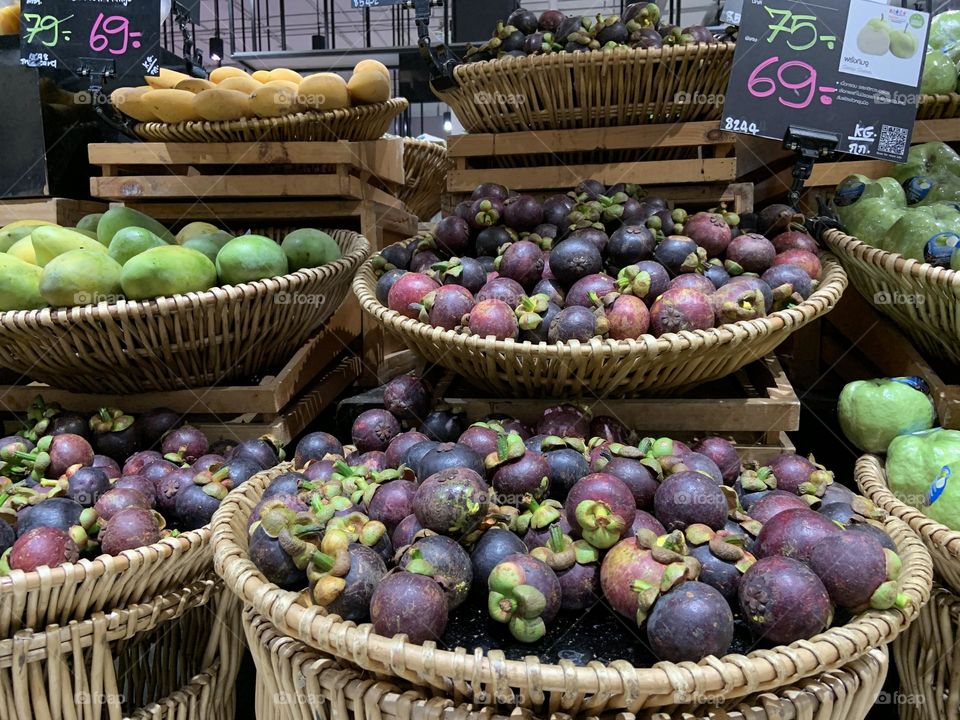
859	343
165	171
280	405
692	162
756	407
56	210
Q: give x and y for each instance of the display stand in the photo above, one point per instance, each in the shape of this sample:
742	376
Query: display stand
61	211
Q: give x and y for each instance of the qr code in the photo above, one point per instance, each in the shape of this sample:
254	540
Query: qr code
893	140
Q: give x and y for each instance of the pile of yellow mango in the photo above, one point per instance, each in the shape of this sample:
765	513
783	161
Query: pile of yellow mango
232	94
10	19
123	254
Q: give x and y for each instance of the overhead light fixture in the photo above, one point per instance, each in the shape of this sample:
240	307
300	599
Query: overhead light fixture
216	49
447	122
318	42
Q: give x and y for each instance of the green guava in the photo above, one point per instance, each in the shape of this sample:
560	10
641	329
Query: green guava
874	412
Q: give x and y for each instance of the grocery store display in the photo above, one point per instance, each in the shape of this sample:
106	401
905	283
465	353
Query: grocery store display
528	523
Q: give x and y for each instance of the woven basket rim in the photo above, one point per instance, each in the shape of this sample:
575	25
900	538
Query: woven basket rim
394	105
942	98
891	261
347	263
871	478
597	57
102	565
828	292
840	645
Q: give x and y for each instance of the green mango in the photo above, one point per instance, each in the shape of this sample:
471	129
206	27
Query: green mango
49	242
250	257
81	277
309	248
204	245
218	238
874	412
9	237
167	270
88	233
132	241
89	222
115	219
19	285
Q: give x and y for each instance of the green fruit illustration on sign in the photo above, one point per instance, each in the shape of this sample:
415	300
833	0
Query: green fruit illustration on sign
874	412
943	498
903	44
874	39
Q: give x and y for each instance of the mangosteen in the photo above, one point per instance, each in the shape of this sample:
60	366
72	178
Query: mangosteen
522	212
485	213
567	466
701	464
406	531
131	528
722	557
448	456
315	446
449	562
796	474
491	239
154	424
609	428
8	535
524	21
412	604
724	455
452	237
68	423
636	476
407	294
690	622
135	464
396	256
678	310
794	533
141	484
534	317
373	430
108	465
550	288
120	498
564	421
577	323
776	219
837	493
858	572
680	255
600	507
595	235
774	503
556	209
782	601
396	451
687	498
504	289
42	547
806	261
741	286
630	245
273	561
716	274
585	291
573	259
493	318
347	581
184	444
752	253
626	316
391	503
646	521
169	487
481	438
522	261
387	281
490	550
875	532
794	240
490	190
57	512
422	262
646	38
86	485
709	231
198	501
576	565
525	595
517	477
452	501
646	280
446	306
692	281
373	461
415	454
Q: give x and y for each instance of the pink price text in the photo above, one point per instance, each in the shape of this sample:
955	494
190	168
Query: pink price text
803	91
111	33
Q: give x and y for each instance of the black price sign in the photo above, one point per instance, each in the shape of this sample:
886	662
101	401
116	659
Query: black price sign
852	68
115	35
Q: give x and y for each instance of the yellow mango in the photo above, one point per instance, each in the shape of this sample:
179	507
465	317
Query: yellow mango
194	85
171	106
286	75
192	230
369	87
275	99
23	250
19	285
24	223
245	84
218	75
166	80
324	91
49	242
130	102
372	65
81	277
219	104
261	76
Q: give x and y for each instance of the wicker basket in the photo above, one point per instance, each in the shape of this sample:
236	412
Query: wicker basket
129	661
426	165
939	107
591	89
491	679
294	682
194	340
366	122
928	661
894	284
942	542
603	368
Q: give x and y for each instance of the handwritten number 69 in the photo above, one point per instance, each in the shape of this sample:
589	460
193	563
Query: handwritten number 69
761	86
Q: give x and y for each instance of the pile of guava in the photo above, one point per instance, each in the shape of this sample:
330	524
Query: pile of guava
943	55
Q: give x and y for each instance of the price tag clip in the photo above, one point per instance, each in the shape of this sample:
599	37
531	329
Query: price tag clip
810	145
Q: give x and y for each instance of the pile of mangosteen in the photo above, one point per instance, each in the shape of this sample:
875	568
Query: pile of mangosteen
424	525
74	486
641	26
600	261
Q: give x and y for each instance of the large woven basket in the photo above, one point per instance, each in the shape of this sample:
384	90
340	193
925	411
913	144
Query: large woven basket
603	367
922	299
942	542
489	678
936	107
592	89
194	340
426	165
138	661
294	681
365	122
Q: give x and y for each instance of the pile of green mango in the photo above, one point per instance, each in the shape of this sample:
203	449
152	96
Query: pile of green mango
124	254
915	211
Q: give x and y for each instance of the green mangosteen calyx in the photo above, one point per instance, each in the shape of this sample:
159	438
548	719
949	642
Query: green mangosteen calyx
631	280
887	594
737	514
539	515
353	528
562	552
818	481
516	604
40	414
755	479
601	527
530	311
110	420
509	447
555	442
723	545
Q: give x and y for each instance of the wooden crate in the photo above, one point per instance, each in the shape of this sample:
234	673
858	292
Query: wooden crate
776	164
61	211
280	405
687	163
858	343
756	407
168	171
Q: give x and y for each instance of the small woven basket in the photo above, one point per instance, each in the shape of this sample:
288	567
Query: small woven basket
365	122
922	299
928	661
942	542
171	343
133	662
603	368
939	107
294	681
591	89
489	678
426	165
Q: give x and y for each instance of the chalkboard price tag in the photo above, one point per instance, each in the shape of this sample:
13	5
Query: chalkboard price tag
93	34
852	67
